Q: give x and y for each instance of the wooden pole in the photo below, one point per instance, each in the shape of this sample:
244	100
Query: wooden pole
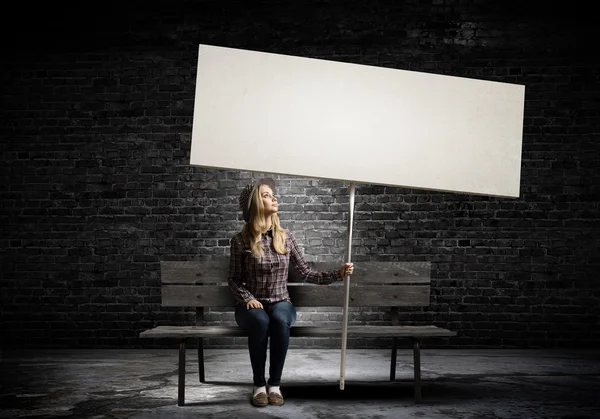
347	287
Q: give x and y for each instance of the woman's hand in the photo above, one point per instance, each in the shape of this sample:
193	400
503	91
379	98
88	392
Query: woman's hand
253	304
346	269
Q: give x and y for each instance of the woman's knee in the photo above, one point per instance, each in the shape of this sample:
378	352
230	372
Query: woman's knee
283	315
255	318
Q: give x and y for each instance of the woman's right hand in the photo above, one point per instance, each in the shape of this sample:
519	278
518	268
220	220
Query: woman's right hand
253	304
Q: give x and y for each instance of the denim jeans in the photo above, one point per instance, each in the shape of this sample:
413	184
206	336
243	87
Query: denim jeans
275	321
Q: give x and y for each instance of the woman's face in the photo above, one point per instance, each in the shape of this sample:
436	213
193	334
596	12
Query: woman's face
268	200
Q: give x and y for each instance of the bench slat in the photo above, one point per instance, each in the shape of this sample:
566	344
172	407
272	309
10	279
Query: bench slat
379	272
308	295
216	271
304	295
372	331
301	331
192	331
191	272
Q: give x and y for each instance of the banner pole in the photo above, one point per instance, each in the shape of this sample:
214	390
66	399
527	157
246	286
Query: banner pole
347	287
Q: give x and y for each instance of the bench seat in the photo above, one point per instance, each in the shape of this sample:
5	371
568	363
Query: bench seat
301	331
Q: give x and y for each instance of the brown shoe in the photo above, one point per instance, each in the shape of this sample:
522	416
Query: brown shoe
260	400
275	399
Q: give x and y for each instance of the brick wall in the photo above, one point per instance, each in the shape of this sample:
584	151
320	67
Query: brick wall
96	190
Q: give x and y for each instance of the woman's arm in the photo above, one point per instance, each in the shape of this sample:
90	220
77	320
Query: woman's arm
310	275
236	266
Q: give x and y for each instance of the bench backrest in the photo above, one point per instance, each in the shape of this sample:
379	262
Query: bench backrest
376	284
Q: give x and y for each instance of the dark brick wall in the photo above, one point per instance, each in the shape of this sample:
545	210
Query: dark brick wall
96	189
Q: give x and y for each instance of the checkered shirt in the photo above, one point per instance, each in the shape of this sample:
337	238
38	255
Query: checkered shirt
265	278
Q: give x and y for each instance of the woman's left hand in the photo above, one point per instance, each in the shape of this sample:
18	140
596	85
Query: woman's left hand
346	269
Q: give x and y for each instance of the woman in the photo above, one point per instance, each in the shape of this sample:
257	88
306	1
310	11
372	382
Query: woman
260	257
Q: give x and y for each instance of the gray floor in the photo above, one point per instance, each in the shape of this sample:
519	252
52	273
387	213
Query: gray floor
142	384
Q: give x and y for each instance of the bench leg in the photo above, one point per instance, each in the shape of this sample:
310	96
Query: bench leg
181	369
417	366
393	363
201	359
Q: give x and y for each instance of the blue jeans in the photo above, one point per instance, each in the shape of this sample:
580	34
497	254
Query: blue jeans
275	321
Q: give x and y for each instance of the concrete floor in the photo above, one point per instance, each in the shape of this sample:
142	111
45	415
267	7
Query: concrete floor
142	384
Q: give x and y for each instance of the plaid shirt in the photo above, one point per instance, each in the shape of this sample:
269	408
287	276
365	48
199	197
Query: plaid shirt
265	278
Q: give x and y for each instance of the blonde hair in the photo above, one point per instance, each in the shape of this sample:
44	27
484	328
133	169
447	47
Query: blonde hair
258	223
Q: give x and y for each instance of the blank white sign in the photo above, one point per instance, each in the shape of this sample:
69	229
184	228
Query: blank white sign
283	114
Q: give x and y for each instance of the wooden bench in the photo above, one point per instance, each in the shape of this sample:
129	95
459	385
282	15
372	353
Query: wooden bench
387	285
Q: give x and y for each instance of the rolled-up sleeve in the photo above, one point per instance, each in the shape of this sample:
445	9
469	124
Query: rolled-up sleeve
309	275
236	268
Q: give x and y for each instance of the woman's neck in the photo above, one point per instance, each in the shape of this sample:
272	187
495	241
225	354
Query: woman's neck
268	224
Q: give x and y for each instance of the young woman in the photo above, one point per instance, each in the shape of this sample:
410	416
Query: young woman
260	257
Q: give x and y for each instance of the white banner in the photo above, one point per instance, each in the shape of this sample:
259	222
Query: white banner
315	118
